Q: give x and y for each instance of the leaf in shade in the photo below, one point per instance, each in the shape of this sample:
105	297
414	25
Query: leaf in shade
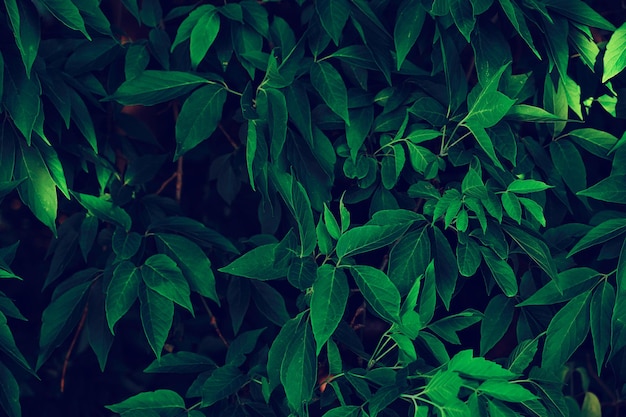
153	87
600	312
161	274
409	21
104	210
378	290
224	381
333	15
610	189
331	87
157	314
149	400
122	292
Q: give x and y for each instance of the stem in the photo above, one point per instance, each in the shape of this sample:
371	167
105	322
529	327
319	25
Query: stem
213	322
66	362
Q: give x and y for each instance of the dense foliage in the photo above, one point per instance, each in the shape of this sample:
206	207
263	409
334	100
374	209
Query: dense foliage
330	207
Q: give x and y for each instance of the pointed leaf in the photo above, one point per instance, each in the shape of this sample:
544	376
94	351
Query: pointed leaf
333	15
329	84
224	381
162	275
122	292
378	290
153	86
328	302
157	314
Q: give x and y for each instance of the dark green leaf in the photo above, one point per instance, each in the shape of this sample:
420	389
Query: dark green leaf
602	303
609	189
618	324
279	348
446	271
601	233
535	248
202	36
224	381
162	275
506	391
409	21
25	24
259	263
8	346
468	257
522	355
270	303
180	362
152	87
328	302
477	367
104	210
299	367
497	319
408	259
9	393
125	244
378	290
157	314
566	332
68	14
149	400
333	15
331	87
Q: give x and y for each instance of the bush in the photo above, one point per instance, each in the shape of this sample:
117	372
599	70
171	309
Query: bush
330	207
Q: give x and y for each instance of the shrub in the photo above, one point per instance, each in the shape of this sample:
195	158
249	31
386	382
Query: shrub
330	207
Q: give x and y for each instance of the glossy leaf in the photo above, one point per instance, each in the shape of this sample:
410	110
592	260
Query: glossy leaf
378	290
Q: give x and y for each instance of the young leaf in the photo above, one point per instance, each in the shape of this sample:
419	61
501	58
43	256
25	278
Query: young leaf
157	314
199	117
378	290
328	302
331	87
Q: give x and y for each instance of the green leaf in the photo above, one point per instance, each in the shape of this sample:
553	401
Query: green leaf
445	267
161	399
408	259
569	164
591	405
448	327
598	142
125	244
202	36
367	238
580	12
602	303
605	231
463	15
279	348
333	15
180	362
8	346
618	324
484	141
343	411
259	263
59	318
518	20
512	206
104	210
21	98
196	231
153	87
443	387
223	382
122	292
378	290
277	120
610	189
468	257
409	21
9	393
193	263
25	25
614	56
523	355
243	345
38	191
535	248
497	319
527	186
328	302
299	367
329	84
270	303
361	120
528	113
199	117
68	14
161	274
566	332
157	314
478	368
568	284
506	391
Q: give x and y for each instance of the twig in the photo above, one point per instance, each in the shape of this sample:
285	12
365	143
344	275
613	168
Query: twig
230	139
213	322
179	179
71	348
166	182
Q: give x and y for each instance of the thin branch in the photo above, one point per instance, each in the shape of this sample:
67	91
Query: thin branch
228	137
72	345
166	183
179	179
213	322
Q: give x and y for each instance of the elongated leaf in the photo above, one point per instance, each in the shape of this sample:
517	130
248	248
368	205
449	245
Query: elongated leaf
367	238
506	391
446	271
299	367
569	164
270	303
224	381
122	292
535	248
157	400
522	355
8	346
618	324
497	319
38	191
333	15
157	314
202	36
468	257
279	348
199	117
328	302
68	14
567	330
479	368
527	186
153	86
409	22
610	189
162	275
601	233
9	393
104	210
259	263
501	271
378	290
331	87
193	263
26	29
181	362
59	318
408	259
602	303
615	57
